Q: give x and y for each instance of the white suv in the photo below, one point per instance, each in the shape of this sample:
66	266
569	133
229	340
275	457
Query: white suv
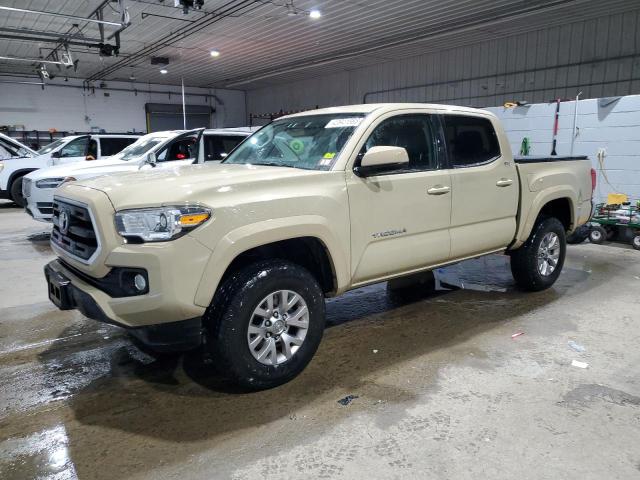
69	149
162	149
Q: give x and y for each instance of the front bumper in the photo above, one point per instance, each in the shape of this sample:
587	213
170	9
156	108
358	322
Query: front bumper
69	292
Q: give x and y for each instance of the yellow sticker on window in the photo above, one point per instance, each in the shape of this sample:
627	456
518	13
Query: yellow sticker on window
329	155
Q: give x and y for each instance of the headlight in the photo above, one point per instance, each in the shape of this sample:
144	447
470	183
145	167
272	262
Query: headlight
49	182
1	166
160	224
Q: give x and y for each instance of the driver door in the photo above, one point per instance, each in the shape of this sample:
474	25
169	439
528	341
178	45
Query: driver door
400	218
185	149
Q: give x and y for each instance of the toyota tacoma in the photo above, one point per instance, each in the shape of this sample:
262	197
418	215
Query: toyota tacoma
238	257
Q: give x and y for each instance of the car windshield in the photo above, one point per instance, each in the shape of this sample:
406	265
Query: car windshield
139	147
52	146
310	142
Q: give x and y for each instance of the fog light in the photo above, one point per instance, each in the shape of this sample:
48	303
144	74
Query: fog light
140	282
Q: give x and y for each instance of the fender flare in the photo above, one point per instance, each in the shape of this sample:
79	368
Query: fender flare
549	195
254	235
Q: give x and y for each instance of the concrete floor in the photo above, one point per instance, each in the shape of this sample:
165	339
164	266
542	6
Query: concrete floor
444	391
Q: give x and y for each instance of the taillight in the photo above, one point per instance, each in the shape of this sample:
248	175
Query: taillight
593	180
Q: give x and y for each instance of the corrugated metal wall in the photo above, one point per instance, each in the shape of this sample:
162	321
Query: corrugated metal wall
600	57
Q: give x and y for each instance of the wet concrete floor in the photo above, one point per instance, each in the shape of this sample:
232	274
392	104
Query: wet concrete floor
443	390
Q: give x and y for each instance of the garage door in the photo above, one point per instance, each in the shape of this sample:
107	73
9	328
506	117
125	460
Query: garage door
161	116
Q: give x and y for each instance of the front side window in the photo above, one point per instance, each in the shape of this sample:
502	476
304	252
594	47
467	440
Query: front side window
414	133
184	148
470	140
75	148
310	142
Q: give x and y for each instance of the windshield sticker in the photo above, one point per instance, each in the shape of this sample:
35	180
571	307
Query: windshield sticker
344	122
325	162
297	146
329	155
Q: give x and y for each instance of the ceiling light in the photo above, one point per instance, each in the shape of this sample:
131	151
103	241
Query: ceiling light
214	53
315	14
164	71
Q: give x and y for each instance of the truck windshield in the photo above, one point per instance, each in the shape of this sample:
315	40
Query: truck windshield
139	147
310	142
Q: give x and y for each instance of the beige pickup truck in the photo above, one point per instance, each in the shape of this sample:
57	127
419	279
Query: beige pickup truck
238	257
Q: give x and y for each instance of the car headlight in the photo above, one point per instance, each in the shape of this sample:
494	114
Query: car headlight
1	166
49	182
160	224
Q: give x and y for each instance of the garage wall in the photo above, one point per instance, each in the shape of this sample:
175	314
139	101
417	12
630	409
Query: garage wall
600	57
64	108
612	124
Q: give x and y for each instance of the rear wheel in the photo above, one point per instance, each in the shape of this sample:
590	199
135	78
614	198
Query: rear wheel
537	264
597	235
16	192
265	324
635	242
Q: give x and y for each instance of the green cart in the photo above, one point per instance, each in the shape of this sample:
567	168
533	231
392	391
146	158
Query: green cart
616	222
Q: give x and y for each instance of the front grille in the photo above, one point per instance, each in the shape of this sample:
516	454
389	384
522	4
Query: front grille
26	187
45	208
73	230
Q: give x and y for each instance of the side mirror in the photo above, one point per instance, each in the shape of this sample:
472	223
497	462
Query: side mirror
151	159
55	154
380	159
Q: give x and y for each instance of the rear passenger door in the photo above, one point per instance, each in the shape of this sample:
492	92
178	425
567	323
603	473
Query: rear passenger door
400	216
484	186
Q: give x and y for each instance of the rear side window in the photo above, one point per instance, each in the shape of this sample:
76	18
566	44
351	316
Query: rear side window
470	140
217	147
111	146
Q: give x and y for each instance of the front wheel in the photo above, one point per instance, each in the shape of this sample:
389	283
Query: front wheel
537	264
16	192
265	324
635	242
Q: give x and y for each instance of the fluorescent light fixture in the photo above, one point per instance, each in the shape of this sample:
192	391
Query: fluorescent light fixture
315	14
164	71
214	53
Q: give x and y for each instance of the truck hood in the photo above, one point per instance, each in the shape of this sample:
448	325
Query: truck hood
165	186
84	169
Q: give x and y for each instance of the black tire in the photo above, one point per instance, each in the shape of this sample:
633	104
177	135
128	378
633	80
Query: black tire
228	317
524	260
598	235
16	192
579	235
635	242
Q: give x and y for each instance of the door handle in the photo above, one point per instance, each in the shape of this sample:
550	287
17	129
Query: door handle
438	190
504	182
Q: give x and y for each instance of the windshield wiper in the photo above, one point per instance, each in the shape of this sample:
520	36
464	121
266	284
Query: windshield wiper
272	164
